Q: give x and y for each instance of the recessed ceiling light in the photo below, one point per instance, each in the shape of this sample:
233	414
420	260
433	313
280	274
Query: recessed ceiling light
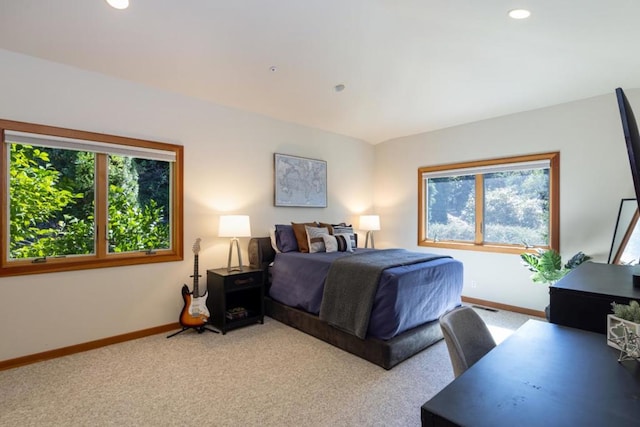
118	4
519	13
273	68
339	88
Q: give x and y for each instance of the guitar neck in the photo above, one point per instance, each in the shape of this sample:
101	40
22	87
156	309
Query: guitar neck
195	276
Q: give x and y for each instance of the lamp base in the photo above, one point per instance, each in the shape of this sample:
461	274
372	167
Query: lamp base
369	237
239	267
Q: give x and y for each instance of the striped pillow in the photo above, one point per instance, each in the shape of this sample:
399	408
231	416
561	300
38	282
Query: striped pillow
315	240
346	229
338	243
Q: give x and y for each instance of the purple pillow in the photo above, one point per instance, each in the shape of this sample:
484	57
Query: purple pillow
286	238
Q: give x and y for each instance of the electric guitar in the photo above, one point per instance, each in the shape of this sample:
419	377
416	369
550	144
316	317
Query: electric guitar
194	313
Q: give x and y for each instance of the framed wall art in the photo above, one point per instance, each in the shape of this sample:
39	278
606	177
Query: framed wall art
299	181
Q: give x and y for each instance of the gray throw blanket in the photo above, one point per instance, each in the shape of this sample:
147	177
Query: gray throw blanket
352	282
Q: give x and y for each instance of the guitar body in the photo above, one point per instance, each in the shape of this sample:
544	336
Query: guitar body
194	313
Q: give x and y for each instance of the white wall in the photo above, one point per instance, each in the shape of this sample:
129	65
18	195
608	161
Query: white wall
228	168
594	176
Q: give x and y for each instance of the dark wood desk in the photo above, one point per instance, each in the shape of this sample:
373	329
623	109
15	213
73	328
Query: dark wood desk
542	375
582	299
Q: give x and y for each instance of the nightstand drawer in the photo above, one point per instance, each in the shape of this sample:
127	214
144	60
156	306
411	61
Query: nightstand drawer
243	280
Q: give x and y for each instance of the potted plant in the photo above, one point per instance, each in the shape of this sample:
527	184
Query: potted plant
623	329
547	267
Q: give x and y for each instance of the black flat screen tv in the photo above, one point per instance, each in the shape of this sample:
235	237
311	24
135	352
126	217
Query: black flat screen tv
632	139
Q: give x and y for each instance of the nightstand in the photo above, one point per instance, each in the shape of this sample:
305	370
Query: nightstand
236	298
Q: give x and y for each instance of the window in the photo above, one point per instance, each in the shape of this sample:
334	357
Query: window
501	205
75	200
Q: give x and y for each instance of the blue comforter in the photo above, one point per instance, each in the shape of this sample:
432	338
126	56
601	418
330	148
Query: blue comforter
407	296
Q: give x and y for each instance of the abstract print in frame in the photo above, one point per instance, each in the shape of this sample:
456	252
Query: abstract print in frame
299	181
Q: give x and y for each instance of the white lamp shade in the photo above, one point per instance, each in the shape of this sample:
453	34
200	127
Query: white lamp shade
118	4
234	226
370	222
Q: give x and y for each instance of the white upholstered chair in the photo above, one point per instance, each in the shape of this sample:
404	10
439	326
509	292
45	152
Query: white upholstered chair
467	337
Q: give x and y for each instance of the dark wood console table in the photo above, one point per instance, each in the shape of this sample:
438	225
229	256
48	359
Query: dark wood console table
542	375
582	299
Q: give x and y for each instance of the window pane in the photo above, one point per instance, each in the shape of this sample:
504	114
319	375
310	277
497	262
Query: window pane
516	207
139	208
51	202
451	208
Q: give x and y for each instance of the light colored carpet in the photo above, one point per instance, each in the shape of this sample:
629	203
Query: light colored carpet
261	375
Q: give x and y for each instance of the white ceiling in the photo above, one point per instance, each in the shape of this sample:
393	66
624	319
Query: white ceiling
409	66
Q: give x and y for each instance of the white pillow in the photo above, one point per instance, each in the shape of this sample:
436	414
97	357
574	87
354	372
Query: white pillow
272	236
330	243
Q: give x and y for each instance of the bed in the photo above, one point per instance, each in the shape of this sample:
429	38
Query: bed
404	308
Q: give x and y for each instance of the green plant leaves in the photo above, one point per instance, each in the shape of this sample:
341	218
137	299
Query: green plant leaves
630	312
547	267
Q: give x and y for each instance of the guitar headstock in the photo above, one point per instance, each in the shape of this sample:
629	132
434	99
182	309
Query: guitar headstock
196	246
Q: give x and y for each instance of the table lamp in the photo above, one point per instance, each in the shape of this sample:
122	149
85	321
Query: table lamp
369	223
234	226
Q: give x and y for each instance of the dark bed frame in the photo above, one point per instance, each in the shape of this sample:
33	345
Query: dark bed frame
386	354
